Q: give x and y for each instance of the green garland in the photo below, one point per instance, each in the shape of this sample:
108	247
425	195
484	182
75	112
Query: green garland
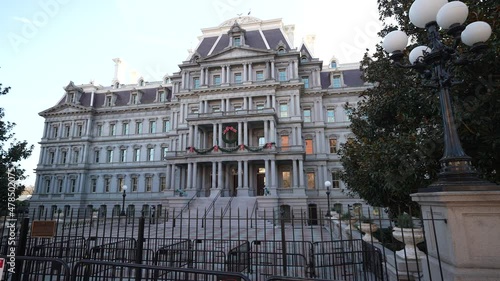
231	149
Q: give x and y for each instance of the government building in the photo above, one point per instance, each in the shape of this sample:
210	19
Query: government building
248	115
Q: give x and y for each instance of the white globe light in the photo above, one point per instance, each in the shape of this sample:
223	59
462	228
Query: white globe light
476	32
423	12
124	187
395	41
452	13
418	52
328	183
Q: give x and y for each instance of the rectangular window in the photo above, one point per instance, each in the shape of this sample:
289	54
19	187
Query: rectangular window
151	154
336	81
305	80
262	141
215	108
137	155
47	186
284	143
108	101
119	185
310	180
237	107
309	146
76	156
96	156
67	130
237	78
286	179
99	130
236	41
163	96
259	75
64	154
107	184
109	156
330	115
307	115
348	113
133	99
196	83
134	184
282	75
335	180
123	155
165	153
333	145
73	185
52	156
283	110
60	185
125	129
333	64
217	80
166	126
93	184
79	130
259	106
138	128
149	184
152	127
112	129
55	132
163	183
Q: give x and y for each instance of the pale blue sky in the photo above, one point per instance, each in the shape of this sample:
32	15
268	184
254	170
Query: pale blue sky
47	43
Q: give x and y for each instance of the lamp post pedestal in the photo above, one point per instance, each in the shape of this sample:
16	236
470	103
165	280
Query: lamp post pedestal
462	234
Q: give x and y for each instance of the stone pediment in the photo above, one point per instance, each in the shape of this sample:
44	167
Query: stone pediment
64	109
237	53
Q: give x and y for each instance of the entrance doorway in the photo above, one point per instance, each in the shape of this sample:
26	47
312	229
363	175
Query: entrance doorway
313	214
261	183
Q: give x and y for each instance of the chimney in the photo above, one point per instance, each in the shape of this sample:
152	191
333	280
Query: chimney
310	42
117	68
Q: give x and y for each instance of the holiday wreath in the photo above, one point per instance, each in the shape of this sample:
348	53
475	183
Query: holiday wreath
229	135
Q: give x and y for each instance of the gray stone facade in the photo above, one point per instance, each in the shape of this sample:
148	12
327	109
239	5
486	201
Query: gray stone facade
247	113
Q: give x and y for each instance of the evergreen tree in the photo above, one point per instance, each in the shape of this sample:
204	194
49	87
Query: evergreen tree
398	125
11	152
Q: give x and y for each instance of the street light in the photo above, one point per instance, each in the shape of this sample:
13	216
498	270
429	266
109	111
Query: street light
436	63
124	188
328	184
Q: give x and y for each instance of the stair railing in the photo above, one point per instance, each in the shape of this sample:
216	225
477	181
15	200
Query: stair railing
197	194
254	208
207	211
228	205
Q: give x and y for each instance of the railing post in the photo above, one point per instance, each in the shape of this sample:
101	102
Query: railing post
140	247
21	248
283	242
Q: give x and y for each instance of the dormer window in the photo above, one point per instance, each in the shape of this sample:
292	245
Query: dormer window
303	59
236	41
70	98
336	81
281	50
117	85
141	82
135	97
109	101
236	35
162	96
333	64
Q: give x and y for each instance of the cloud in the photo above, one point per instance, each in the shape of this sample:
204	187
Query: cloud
21	19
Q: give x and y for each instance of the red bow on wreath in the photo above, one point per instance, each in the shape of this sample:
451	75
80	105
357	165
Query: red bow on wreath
216	148
229	128
191	149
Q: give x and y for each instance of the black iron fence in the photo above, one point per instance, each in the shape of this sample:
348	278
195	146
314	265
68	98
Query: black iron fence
192	246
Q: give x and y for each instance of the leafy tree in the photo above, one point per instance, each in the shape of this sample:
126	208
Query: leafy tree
11	152
398	125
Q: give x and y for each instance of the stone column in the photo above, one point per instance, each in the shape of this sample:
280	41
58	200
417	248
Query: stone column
202	76
223	74
214	175
244	72
168	176
195	176
196	141
250	107
189	178
214	134
245	174
240	134
294	174
245	133
172	177
220	182
221	143
272	131
240	175
272	69
273	175
266	131
267	173
250	74
301	174
191	136
464	226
